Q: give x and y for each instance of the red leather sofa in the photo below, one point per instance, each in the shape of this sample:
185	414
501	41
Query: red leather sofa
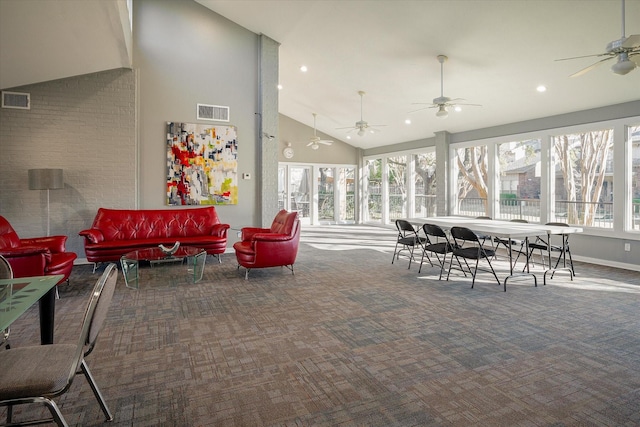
270	247
37	256
117	231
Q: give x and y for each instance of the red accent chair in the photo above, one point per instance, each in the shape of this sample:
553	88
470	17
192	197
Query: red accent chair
270	247
38	256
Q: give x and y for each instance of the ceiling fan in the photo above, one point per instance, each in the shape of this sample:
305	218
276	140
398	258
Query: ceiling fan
361	125
444	103
315	139
626	49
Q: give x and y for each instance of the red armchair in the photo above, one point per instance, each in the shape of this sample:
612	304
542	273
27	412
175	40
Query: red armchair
270	247
38	256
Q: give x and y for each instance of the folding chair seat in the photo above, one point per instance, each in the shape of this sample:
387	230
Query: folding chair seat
407	240
437	242
542	245
462	235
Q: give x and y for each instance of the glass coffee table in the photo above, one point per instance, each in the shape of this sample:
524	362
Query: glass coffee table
186	256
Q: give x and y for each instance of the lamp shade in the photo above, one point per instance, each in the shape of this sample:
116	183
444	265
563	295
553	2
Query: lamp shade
45	179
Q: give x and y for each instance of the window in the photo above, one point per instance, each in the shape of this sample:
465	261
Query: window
519	180
424	185
634	145
373	177
396	172
584	178
472	180
325	194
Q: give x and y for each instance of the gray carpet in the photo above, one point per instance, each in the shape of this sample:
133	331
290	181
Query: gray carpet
352	340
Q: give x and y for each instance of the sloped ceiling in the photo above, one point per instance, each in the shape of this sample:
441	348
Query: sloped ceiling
52	39
498	50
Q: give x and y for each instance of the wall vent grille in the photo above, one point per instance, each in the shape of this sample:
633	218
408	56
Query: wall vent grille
19	100
218	113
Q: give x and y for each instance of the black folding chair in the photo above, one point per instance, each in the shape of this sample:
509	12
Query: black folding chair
437	243
461	235
407	240
544	244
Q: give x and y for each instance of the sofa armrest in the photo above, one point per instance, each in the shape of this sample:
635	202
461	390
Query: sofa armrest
220	230
27	261
249	232
271	237
93	235
55	244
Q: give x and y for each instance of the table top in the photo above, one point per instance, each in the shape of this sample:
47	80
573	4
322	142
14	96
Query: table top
156	254
497	228
17	295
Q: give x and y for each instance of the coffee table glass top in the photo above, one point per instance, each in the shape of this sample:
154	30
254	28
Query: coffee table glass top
186	256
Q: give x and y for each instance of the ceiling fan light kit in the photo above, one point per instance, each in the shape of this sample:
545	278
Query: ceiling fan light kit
315	141
361	125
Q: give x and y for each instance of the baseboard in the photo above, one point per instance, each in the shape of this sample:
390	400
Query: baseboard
616	264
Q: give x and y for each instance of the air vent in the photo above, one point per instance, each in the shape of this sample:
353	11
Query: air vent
21	101
213	112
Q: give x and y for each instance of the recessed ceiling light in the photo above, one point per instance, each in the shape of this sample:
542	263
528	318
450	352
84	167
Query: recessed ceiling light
303	68
348	136
457	108
408	121
541	88
279	87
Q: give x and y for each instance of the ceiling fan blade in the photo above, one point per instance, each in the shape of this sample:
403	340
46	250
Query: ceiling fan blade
631	41
325	142
347	127
585	56
310	144
470	105
590	67
635	58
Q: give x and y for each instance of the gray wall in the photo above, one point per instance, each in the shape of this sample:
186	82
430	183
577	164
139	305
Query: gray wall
84	125
186	54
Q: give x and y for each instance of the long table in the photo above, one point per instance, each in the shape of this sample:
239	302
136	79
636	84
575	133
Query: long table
21	293
506	230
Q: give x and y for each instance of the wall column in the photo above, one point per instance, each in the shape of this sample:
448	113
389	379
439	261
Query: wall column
443	171
268	136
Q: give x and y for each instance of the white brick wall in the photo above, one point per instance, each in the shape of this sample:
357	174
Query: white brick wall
84	125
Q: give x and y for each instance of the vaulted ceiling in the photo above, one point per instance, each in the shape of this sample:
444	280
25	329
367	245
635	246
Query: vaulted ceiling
498	53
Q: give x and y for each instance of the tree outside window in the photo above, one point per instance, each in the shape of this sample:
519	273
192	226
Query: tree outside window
472	180
634	146
424	176
584	178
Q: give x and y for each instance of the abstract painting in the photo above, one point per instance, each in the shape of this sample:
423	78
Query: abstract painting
202	164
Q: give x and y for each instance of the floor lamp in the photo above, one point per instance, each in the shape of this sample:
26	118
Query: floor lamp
46	179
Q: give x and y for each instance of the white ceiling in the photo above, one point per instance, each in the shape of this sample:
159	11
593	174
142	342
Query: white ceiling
499	51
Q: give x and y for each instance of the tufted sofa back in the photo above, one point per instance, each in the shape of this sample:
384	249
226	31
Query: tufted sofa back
123	224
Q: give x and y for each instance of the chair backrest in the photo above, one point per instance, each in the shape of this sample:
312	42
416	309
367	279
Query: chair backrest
522	221
285	222
403	226
464	233
8	236
97	308
434	230
483	217
5	269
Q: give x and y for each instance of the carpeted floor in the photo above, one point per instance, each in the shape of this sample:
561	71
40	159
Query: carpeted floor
352	340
